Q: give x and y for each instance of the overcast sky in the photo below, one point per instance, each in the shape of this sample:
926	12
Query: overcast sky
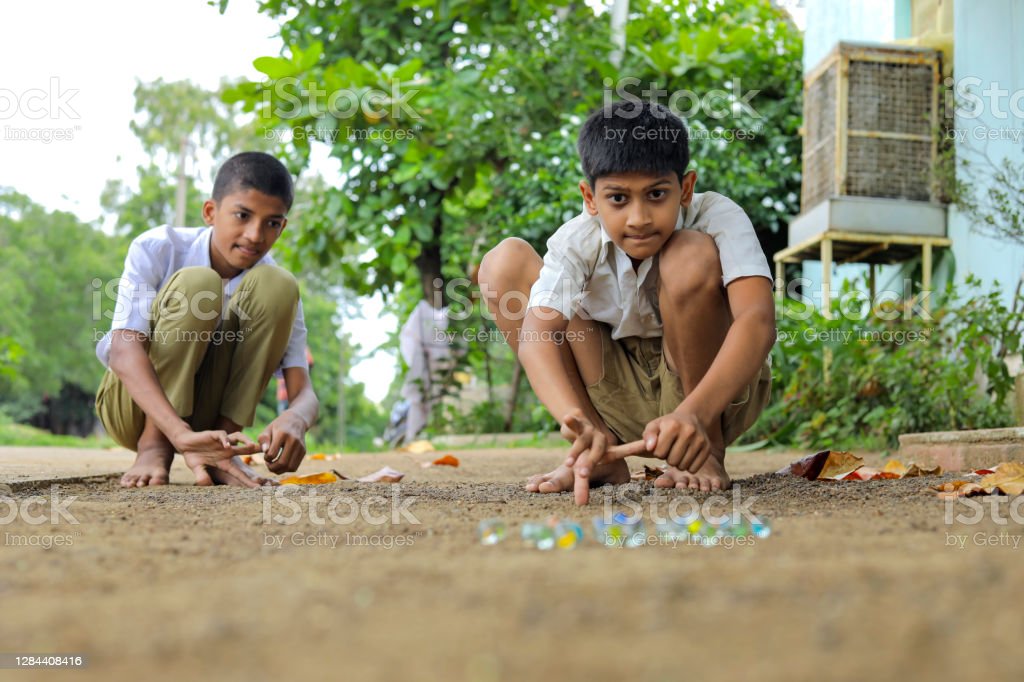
68	71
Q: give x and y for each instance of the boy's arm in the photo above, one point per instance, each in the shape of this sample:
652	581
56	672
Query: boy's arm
681	436
746	345
561	389
284	439
129	360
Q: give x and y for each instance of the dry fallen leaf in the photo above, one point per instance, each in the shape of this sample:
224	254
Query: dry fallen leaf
863	473
1007	479
385	475
447	460
318	455
845	466
313	479
893	469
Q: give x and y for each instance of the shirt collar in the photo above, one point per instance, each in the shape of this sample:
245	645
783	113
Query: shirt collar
199	252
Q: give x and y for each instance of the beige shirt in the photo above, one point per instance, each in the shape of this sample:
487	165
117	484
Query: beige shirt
585	272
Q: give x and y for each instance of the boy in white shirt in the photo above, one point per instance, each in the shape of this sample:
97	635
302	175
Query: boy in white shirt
646	328
204	317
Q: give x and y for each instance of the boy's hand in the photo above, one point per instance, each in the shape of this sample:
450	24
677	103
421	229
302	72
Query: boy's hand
211	447
211	455
283	442
680	439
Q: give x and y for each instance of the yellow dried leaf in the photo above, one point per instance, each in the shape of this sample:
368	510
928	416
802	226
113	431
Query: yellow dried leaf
313	479
840	464
916	470
1007	479
893	469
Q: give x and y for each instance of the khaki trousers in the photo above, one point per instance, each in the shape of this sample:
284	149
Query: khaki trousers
209	364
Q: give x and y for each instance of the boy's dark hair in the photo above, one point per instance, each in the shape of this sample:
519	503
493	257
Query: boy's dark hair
254	170
633	136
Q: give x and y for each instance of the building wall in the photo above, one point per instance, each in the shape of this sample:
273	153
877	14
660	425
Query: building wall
989	47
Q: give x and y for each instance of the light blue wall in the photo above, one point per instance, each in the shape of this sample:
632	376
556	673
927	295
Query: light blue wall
829	21
988	44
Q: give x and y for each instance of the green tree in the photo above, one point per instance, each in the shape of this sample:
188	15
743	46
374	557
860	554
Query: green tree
53	275
455	122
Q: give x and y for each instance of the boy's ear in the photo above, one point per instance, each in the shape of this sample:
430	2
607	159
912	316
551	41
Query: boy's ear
588	197
688	183
209	210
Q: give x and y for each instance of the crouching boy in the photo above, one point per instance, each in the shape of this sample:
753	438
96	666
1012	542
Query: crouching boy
204	318
650	318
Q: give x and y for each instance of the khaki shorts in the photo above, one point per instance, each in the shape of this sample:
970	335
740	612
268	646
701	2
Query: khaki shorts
638	387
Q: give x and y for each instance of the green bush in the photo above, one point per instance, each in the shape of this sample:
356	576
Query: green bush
890	370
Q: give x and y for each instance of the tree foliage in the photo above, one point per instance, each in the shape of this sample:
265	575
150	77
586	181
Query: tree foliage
455	122
53	274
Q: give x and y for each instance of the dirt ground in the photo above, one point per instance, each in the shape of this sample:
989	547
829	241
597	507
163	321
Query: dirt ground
857	581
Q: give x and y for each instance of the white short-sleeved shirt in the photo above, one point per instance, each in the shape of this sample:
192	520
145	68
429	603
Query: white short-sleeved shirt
584	271
152	258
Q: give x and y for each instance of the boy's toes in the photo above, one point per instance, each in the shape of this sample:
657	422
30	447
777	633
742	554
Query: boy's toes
553	485
533	482
675	478
557	481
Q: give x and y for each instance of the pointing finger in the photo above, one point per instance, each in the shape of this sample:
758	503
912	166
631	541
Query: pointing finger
633	448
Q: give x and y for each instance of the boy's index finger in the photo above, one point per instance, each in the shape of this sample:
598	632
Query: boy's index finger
634	448
580	489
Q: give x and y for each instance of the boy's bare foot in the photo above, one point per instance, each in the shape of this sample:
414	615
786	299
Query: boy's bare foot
153	462
152	467
711	476
561	479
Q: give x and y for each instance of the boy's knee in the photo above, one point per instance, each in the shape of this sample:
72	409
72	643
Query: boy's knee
505	261
194	292
272	282
689	264
195	279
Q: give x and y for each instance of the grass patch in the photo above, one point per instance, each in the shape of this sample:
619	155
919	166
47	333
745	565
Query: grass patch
29	436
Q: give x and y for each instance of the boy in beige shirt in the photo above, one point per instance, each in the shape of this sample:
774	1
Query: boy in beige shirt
650	318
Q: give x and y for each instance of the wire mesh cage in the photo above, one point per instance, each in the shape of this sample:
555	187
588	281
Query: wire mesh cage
870	115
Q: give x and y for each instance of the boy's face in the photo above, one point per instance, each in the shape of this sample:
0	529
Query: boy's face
639	210
246	223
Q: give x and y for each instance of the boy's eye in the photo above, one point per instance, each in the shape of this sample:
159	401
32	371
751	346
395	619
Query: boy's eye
657	193
275	224
616	198
241	215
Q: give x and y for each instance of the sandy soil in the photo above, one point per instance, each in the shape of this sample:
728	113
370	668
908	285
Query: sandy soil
858	581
